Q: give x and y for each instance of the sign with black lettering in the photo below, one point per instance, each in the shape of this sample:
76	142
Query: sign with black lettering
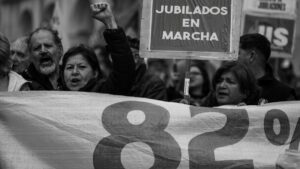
279	31
271	6
202	29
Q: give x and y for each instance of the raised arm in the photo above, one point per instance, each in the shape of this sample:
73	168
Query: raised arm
121	79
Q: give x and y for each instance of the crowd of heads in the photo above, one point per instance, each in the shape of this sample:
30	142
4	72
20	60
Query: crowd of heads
233	83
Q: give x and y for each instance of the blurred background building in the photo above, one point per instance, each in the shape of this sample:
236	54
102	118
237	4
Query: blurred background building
71	17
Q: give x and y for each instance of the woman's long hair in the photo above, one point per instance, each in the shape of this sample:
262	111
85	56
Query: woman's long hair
201	65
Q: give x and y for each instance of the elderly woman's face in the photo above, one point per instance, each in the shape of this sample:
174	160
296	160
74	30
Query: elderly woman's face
228	90
78	72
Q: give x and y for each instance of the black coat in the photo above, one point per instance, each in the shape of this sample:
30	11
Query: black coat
121	78
38	80
272	89
147	85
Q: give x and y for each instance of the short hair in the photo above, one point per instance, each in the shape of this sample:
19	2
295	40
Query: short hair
54	33
245	78
4	54
87	53
258	42
21	43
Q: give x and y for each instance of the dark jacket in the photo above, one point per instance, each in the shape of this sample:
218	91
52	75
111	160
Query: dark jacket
147	85
121	78
274	90
173	94
210	100
38	81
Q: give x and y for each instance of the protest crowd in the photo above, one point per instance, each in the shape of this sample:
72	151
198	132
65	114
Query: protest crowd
196	99
39	61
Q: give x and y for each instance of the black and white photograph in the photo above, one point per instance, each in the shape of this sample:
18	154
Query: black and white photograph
149	84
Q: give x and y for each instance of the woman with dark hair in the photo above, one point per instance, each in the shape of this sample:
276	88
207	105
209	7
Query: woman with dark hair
233	84
80	70
199	85
199	82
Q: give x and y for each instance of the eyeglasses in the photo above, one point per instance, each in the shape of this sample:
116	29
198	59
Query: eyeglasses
195	73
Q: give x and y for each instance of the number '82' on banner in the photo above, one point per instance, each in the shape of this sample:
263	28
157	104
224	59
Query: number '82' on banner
203	148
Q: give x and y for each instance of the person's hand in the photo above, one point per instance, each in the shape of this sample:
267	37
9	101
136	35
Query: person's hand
184	101
262	101
189	101
242	104
103	12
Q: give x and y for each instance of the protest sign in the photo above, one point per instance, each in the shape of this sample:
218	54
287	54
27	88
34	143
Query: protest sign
280	32
86	130
271	6
202	29
275	19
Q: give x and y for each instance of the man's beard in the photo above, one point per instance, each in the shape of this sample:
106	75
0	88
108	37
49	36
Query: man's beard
47	64
48	70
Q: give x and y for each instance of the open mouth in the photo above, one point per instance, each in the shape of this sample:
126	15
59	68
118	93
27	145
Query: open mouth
75	81
222	93
46	61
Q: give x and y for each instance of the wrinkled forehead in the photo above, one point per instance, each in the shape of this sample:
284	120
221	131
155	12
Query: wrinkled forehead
42	36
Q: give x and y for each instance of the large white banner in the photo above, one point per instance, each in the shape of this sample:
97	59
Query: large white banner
72	130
